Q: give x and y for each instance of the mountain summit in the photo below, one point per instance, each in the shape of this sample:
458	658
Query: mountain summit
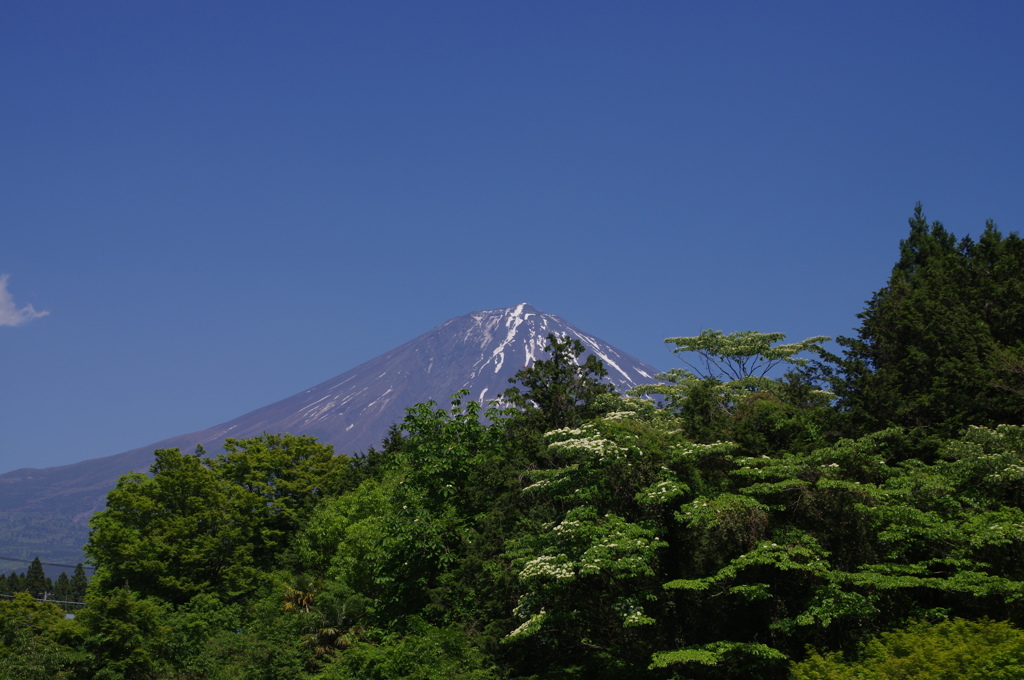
478	352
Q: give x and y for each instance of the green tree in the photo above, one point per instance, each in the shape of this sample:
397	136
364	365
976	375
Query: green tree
726	391
62	588
589	596
424	652
174	535
125	635
937	346
15	582
254	640
282	478
731	366
35	581
660	555
211	526
393	538
36	642
559	391
79	583
742	358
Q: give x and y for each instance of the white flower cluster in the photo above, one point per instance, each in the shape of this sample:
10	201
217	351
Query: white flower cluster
547	566
530	626
563	431
570	524
662	492
632	613
537	485
593	444
705	449
637	618
1013	472
617	553
587	440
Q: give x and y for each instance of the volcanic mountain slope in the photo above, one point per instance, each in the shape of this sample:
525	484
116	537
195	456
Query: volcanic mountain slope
45	511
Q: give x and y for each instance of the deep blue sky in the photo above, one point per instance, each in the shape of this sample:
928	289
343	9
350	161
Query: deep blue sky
222	204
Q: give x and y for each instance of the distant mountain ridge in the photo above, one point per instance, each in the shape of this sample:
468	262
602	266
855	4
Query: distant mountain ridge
45	511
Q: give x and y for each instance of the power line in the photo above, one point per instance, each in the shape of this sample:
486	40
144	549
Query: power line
30	561
66	604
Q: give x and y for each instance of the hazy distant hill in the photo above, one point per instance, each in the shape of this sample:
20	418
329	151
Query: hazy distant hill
45	511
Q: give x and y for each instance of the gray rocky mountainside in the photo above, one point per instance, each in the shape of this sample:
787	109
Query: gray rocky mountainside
45	512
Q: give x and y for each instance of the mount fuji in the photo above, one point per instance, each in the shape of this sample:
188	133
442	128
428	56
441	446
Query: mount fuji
46	511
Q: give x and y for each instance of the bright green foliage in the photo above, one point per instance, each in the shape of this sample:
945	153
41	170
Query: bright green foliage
211	526
176	534
588	535
424	652
728	391
742	356
345	537
442	445
716	654
125	635
393	539
36	643
283	477
950	650
937	345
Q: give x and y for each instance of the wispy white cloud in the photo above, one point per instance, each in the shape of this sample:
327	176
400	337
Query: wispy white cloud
10	315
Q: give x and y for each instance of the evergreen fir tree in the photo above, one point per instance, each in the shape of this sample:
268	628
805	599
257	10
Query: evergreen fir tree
931	351
559	391
62	589
36	582
16	582
79	583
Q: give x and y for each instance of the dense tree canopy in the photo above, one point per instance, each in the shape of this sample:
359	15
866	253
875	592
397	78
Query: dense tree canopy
939	347
723	529
201	525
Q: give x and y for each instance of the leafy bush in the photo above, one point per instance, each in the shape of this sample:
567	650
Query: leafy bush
951	650
426	652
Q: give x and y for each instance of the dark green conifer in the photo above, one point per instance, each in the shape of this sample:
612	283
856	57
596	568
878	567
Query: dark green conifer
935	346
15	582
36	582
62	588
79	583
559	391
